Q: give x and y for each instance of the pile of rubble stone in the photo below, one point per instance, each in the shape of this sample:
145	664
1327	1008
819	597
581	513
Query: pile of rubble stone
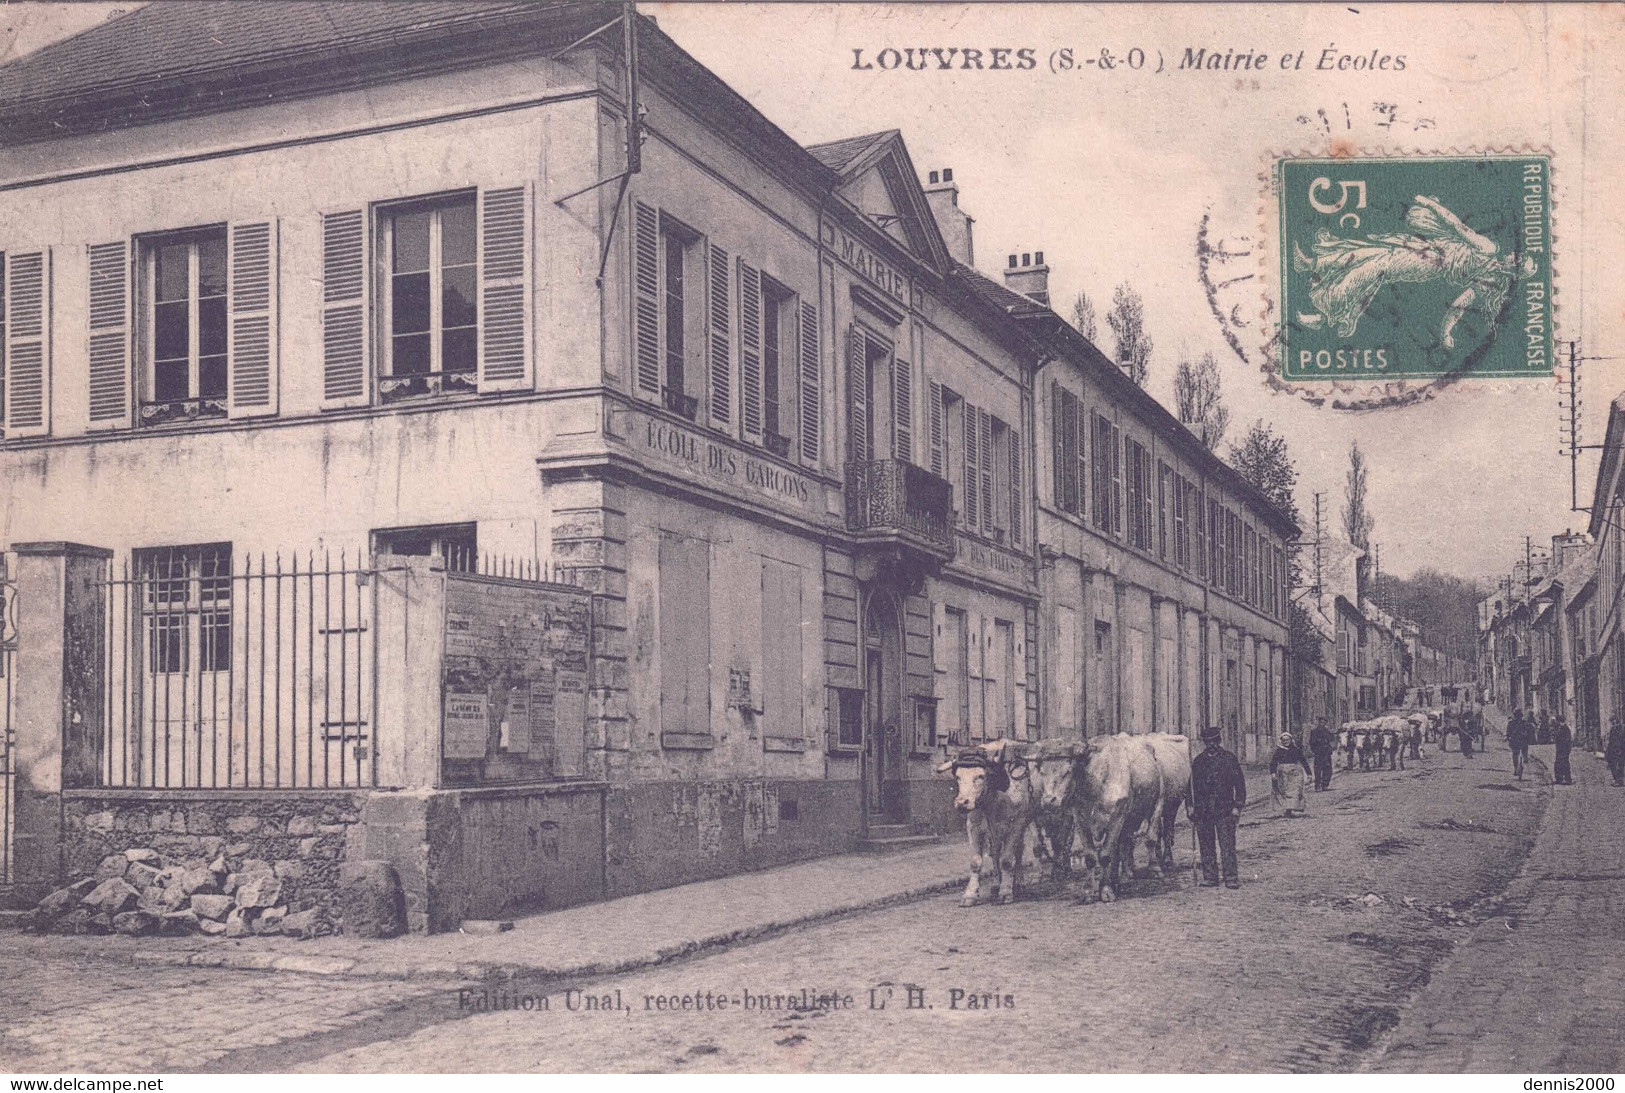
140	892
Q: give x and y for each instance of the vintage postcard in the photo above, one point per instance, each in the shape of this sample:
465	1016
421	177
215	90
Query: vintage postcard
739	537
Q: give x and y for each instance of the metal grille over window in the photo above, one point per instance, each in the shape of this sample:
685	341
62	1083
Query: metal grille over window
238	675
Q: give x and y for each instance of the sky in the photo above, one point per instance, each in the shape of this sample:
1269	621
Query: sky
1111	171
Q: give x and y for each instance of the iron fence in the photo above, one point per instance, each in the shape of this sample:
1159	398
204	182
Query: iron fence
223	673
8	739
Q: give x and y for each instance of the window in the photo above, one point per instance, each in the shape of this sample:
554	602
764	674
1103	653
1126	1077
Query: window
455	546
954	709
1139	494
431	302
1108	477
848	719
1215	542
684	634
184	343
777	306
186	607
1199	524
1182	528
925	724
1067	449
981	459
1165	488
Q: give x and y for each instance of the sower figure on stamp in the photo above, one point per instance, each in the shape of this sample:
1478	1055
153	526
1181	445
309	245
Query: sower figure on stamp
1218	792
1321	745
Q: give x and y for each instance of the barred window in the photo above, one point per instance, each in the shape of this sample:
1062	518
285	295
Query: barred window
186	607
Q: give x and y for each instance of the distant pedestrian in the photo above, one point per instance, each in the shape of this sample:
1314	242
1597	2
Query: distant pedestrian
1614	751
1288	769
1218	793
1543	735
1321	745
1563	742
1519	730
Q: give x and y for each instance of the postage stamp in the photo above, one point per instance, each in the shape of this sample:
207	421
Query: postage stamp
1415	267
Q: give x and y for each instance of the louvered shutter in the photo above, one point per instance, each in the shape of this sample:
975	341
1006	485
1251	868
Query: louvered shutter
857	398
28	344
1057	447
1114	439
504	311
251	335
973	471
1080	441
344	308
110	335
750	349
811	386
1016	486
986	465
937	428
721	319
902	393
646	298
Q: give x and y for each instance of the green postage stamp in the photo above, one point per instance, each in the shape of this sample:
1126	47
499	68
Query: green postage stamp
1415	268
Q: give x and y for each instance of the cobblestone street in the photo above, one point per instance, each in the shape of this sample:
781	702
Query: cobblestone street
1390	929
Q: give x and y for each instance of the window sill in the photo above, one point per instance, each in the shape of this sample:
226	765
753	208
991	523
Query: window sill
844	751
687	741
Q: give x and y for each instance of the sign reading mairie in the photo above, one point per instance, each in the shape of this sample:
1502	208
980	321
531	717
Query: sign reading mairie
866	264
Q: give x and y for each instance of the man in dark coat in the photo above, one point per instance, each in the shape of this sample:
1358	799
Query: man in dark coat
1614	750
1563	743
1321	745
1519	730
1218	792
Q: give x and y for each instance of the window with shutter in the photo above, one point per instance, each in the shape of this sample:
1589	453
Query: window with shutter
110	335
937	427
1115	453
720	396
1017	487
504	307
857	396
779	368
750	349
1069	461
646	298
187	326
430	299
27	356
902	410
344	327
973	465
812	383
986	465
251	337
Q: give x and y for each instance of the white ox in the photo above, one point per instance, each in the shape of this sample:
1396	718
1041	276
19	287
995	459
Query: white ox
996	796
1109	793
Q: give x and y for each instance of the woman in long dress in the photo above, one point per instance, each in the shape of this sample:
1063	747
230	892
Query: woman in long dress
1288	770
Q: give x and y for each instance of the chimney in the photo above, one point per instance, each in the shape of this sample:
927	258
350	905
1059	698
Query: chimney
1028	275
943	196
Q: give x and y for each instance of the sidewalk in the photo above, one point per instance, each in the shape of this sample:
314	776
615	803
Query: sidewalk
1536	989
618	935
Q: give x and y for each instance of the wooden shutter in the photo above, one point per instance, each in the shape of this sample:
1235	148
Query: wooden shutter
812	411
986	464
110	335
1067	460
750	349
720	398
973	474
937	428
646	298
504	312
857	397
902	405
1114	441
28	344
1016	485
251	334
1080	442
344	308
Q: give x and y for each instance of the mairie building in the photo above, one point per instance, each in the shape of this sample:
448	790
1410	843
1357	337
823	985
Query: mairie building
586	506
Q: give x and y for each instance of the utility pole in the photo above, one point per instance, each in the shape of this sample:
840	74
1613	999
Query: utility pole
1569	404
1318	586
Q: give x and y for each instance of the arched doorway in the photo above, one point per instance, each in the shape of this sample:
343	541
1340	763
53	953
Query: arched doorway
885	793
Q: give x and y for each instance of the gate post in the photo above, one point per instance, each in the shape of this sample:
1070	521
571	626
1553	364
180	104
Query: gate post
57	697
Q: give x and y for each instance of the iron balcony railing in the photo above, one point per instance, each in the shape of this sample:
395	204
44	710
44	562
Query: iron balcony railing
890	498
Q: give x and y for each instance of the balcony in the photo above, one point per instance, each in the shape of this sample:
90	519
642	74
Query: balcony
900	512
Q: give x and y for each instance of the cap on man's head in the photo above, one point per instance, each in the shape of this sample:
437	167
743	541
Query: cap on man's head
1212	734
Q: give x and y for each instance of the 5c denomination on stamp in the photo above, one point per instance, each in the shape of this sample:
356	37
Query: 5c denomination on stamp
1415	267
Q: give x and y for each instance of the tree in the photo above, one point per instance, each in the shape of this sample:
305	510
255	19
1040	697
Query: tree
1199	402
1083	316
1263	459
1127	320
1357	519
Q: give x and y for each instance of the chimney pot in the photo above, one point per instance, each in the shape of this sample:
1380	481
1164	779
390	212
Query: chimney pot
1012	261
933	178
1028	275
947	174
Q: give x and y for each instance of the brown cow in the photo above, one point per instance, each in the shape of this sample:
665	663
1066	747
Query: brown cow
996	796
